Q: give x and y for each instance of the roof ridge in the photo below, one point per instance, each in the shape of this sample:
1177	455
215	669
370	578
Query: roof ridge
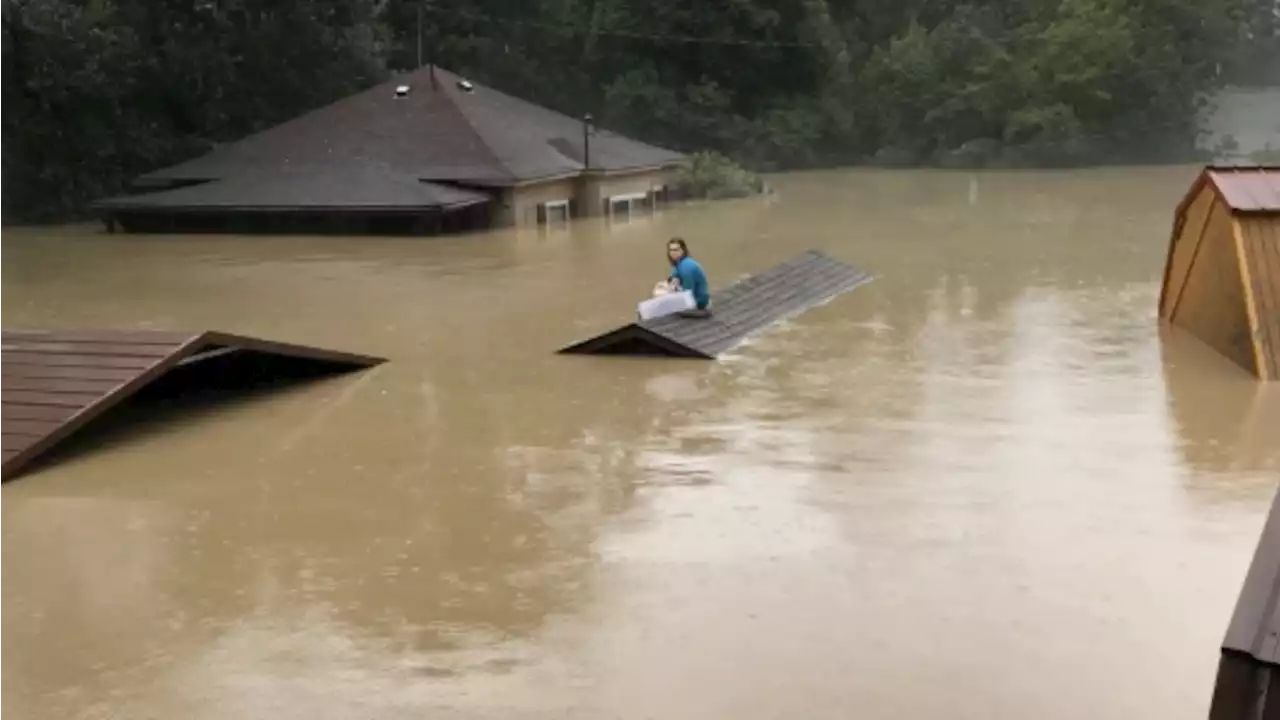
439	128
438	89
1242	188
1244	167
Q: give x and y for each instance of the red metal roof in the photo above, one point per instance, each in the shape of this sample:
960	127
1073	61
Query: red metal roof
1247	189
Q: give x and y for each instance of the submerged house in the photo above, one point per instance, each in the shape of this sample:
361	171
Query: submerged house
1222	272
427	152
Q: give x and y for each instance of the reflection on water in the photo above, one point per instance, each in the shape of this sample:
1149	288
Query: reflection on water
980	481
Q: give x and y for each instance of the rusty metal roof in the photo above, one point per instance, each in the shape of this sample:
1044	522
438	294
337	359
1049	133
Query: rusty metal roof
57	381
739	310
1248	189
1243	188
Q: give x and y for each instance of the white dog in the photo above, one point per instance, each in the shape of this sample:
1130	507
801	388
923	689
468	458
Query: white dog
666	286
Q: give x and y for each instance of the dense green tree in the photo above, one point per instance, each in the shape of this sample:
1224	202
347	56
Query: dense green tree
97	91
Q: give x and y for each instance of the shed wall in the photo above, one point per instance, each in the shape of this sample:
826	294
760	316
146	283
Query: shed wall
1182	248
1260	247
1210	303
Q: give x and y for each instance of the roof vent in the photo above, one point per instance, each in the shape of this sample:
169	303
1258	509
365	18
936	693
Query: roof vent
466	86
402	90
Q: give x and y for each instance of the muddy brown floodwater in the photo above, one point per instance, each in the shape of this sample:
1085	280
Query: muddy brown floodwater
984	486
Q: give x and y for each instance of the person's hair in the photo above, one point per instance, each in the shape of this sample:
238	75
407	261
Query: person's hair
684	247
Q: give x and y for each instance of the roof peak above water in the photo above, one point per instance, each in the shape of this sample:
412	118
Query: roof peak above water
1244	188
429	124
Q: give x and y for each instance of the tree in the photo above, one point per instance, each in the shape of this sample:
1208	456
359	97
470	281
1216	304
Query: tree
99	91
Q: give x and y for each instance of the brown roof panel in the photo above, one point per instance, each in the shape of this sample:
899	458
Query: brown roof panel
738	311
54	382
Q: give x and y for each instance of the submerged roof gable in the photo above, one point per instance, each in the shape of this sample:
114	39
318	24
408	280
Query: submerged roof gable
1242	188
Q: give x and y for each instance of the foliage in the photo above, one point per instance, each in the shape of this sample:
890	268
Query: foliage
712	176
97	91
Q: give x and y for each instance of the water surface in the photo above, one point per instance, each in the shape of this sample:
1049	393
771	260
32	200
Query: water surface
986	485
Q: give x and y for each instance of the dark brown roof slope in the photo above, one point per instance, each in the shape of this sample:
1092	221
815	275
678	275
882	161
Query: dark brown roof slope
361	188
440	132
57	381
532	142
738	311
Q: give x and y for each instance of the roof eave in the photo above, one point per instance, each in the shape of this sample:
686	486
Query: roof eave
636	169
188	208
606	172
1250	167
167	177
1192	192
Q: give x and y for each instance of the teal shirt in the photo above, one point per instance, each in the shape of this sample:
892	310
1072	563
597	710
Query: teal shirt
691	277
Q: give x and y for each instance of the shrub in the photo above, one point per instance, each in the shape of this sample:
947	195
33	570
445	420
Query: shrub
712	176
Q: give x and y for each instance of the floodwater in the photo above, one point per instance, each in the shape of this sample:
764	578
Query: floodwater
984	486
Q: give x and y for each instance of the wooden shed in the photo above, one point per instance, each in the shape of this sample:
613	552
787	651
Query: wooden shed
1222	275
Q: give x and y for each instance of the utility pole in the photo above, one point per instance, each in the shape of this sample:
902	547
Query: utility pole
419	36
586	141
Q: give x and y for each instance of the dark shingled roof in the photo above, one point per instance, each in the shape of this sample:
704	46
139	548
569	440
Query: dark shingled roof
361	188
437	132
738	311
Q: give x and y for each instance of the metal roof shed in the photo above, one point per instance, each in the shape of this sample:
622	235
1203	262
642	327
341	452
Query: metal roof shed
1222	273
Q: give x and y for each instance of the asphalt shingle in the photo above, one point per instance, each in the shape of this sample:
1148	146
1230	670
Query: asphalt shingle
738	311
439	131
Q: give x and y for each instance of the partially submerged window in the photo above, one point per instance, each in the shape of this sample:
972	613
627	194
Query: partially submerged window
622	206
554	211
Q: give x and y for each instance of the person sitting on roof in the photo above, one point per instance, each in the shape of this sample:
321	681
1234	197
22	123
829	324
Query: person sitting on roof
688	273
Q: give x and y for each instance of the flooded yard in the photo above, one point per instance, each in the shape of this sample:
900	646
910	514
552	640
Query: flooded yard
986	485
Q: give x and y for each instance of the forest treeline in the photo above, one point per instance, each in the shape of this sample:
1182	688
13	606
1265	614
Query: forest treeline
97	91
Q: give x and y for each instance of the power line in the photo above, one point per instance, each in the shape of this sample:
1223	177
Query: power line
566	30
